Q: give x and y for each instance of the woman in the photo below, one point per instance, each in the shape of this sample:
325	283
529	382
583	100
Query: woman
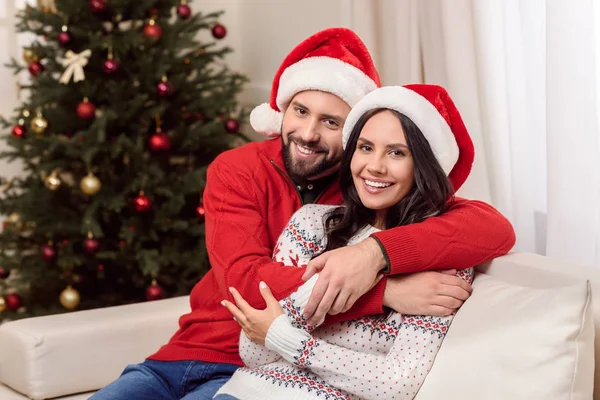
401	144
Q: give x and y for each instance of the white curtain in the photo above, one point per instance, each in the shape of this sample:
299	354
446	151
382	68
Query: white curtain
526	77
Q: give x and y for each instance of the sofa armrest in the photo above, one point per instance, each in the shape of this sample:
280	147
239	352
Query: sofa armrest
56	355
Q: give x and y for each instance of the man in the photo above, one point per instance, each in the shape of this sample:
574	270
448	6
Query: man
252	192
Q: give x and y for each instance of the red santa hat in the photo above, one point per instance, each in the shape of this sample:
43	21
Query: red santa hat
334	60
433	111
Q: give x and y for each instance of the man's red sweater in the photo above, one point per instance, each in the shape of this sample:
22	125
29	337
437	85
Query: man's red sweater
249	198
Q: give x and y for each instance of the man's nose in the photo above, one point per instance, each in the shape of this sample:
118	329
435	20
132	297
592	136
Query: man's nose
310	131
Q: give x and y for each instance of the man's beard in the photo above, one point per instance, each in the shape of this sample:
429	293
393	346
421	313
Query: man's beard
300	170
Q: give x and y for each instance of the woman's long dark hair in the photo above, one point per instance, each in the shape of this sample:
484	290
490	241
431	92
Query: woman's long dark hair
430	195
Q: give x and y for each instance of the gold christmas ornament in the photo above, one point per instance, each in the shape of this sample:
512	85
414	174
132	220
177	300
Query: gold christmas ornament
53	182
29	56
2	304
14	219
90	185
39	124
69	298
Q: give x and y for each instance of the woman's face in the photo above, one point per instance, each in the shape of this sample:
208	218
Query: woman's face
382	165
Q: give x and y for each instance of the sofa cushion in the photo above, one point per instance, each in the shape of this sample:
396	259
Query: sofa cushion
514	342
58	355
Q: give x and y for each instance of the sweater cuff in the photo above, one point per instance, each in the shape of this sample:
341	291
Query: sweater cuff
295	304
401	250
288	341
386	269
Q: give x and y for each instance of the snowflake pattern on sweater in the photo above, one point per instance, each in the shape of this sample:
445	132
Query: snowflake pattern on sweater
374	357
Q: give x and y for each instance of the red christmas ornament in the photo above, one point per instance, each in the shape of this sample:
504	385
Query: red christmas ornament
13	301
164	89
219	31
232	125
90	245
36	68
142	203
48	252
64	38
86	110
200	116
159	141
200	213
4	273
152	30
110	67
184	11
19	131
97	6
154	292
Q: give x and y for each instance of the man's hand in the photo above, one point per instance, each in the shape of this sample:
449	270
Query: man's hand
426	293
345	274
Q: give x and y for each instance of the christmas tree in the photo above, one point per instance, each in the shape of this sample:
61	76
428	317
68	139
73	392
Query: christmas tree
125	110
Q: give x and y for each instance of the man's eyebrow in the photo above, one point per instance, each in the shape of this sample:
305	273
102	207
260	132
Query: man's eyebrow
297	104
326	116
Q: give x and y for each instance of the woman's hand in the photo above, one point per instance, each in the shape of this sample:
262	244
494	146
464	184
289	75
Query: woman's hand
255	323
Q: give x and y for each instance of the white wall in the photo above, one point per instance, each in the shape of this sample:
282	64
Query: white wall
8	83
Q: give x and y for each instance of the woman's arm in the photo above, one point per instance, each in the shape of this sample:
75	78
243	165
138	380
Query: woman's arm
371	376
254	354
302	239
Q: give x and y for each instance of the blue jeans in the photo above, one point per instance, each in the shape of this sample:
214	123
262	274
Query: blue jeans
168	380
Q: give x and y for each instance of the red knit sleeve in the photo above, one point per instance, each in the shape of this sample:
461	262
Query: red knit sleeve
237	242
469	233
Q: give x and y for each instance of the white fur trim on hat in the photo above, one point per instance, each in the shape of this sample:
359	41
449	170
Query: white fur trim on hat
326	74
434	127
266	121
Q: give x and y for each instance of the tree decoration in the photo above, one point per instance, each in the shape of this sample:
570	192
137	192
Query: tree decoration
86	109
110	66
91	245
74	63
13	301
39	124
64	37
90	184
200	212
48	252
142	203
164	88
69	298
232	125
4	273
19	130
219	31
53	182
35	68
97	6
154	291
152	30
183	10
29	56
159	141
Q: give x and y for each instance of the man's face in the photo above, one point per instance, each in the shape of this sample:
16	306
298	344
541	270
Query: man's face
312	134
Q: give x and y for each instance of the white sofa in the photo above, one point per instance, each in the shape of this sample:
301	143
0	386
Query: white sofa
71	355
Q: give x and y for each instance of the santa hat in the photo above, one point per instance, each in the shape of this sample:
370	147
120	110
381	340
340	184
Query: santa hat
334	60
433	111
